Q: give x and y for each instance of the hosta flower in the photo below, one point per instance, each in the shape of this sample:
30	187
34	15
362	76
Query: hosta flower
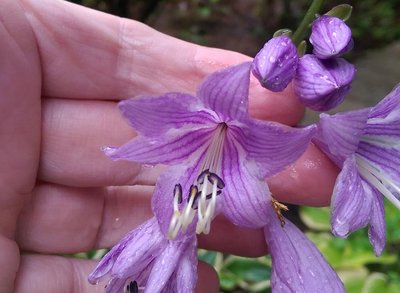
322	84
275	65
219	158
144	260
330	37
366	145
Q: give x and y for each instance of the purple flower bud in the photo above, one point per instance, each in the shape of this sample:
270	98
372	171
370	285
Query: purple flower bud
322	84
275	65
331	37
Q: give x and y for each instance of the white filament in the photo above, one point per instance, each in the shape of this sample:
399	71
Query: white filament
378	180
206	203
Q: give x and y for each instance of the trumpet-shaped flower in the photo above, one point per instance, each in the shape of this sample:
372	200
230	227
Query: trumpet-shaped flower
366	145
219	158
220	154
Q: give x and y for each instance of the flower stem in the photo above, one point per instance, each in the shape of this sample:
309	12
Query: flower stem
301	31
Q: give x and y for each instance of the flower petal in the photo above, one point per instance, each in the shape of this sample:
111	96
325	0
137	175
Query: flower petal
271	145
226	91
245	196
139	250
175	146
130	255
153	116
352	201
377	226
321	85
187	269
389	107
164	266
297	265
338	135
162	202
330	37
275	65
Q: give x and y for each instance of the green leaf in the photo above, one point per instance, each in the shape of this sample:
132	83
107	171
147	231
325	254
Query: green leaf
342	11
376	282
315	218
250	270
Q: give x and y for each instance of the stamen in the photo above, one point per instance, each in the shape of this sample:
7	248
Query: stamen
379	181
199	197
278	207
132	287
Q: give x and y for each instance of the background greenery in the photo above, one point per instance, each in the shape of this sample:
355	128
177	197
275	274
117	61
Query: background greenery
244	25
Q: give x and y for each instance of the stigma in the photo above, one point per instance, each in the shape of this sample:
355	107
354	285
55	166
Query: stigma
201	199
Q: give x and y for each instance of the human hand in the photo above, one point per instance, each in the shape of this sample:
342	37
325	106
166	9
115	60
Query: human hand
64	68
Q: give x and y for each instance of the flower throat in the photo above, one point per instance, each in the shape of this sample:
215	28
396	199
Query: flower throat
202	196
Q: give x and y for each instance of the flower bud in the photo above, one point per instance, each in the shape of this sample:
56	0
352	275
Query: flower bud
331	37
275	65
322	84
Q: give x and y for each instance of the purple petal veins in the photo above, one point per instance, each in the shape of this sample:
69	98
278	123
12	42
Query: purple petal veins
366	145
330	37
275	65
322	84
216	154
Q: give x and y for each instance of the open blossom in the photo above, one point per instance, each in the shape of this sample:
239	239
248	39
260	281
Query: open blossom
322	84
275	65
330	37
366	145
219	158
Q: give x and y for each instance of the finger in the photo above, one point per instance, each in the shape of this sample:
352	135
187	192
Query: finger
309	181
69	220
89	54
47	273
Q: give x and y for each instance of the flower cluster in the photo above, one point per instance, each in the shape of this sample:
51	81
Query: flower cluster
218	158
321	79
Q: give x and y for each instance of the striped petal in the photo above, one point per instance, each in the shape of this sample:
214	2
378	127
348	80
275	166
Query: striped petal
297	265
272	146
175	146
352	201
153	116
377	225
226	92
245	196
338	135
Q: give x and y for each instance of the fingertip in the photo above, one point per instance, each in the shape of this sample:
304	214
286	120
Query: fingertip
282	107
309	181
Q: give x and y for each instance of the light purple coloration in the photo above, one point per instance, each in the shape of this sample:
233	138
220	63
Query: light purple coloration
366	145
330	37
275	65
322	84
297	265
219	158
156	264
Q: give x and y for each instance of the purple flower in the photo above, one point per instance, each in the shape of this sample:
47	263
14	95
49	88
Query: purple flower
322	84
330	37
219	158
275	65
366	145
297	265
144	258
